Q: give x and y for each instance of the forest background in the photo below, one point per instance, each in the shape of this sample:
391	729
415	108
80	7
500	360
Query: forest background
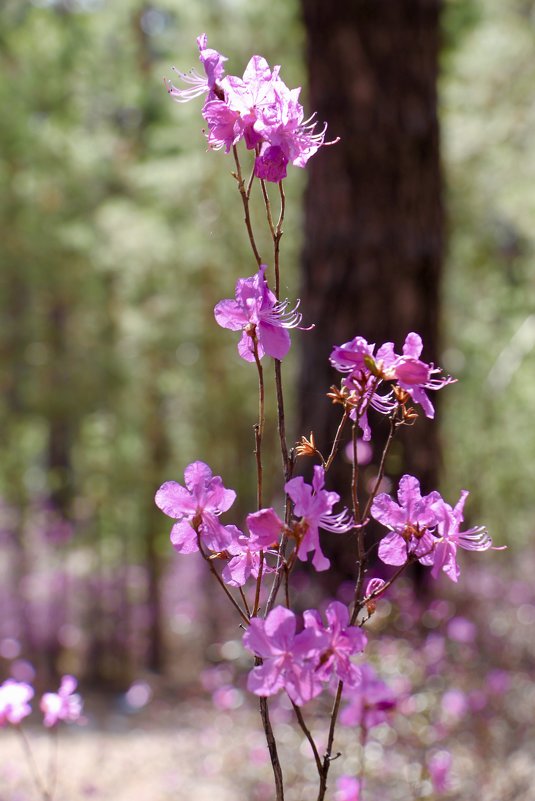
118	234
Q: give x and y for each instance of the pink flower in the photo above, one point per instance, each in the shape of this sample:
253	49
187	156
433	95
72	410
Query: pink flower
197	507
257	313
313	504
212	62
415	376
265	527
287	657
450	537
366	371
370	702
364	376
341	641
14	698
258	108
411	522
439	766
63	705
347	789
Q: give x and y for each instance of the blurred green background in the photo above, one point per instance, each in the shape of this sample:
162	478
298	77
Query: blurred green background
119	233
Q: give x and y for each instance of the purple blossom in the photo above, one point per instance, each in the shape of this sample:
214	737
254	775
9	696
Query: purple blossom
439	766
356	359
196	507
415	376
450	537
347	789
265	527
286	656
313	504
411	522
370	702
257	313
366	370
258	108
341	642
14	701
66	704
199	85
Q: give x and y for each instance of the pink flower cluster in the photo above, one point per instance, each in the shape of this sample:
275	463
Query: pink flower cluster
302	663
15	699
197	507
257	108
365	371
426	529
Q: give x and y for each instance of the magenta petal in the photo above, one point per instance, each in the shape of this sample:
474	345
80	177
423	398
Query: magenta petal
238	570
197	476
265	527
393	549
266	679
419	396
386	511
271	165
337	614
228	314
256	640
413	345
409	496
174	500
216	536
280	627
219	499
184	538
245	348
68	685
274	339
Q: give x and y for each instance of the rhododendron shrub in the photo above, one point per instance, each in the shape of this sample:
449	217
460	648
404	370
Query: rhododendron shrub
319	653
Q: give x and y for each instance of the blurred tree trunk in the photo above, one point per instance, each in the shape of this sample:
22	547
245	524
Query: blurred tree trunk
373	209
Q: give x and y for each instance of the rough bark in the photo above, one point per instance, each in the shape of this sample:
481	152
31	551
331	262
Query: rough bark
373	210
374	218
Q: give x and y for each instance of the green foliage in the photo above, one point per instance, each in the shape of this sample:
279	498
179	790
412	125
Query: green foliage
488	115
117	237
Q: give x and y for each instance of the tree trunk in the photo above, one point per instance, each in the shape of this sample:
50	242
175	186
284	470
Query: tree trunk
373	209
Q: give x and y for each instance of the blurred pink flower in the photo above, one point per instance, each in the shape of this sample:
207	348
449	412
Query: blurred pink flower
64	705
347	789
14	698
439	765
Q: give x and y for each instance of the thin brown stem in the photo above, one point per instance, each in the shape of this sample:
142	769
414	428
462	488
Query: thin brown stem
245	201
277	238
220	581
279	574
53	764
308	735
259	427
259	432
281	422
362	764
258	584
337	439
327	757
380	474
267	204
360	603
32	765
272	748
355	481
244	600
